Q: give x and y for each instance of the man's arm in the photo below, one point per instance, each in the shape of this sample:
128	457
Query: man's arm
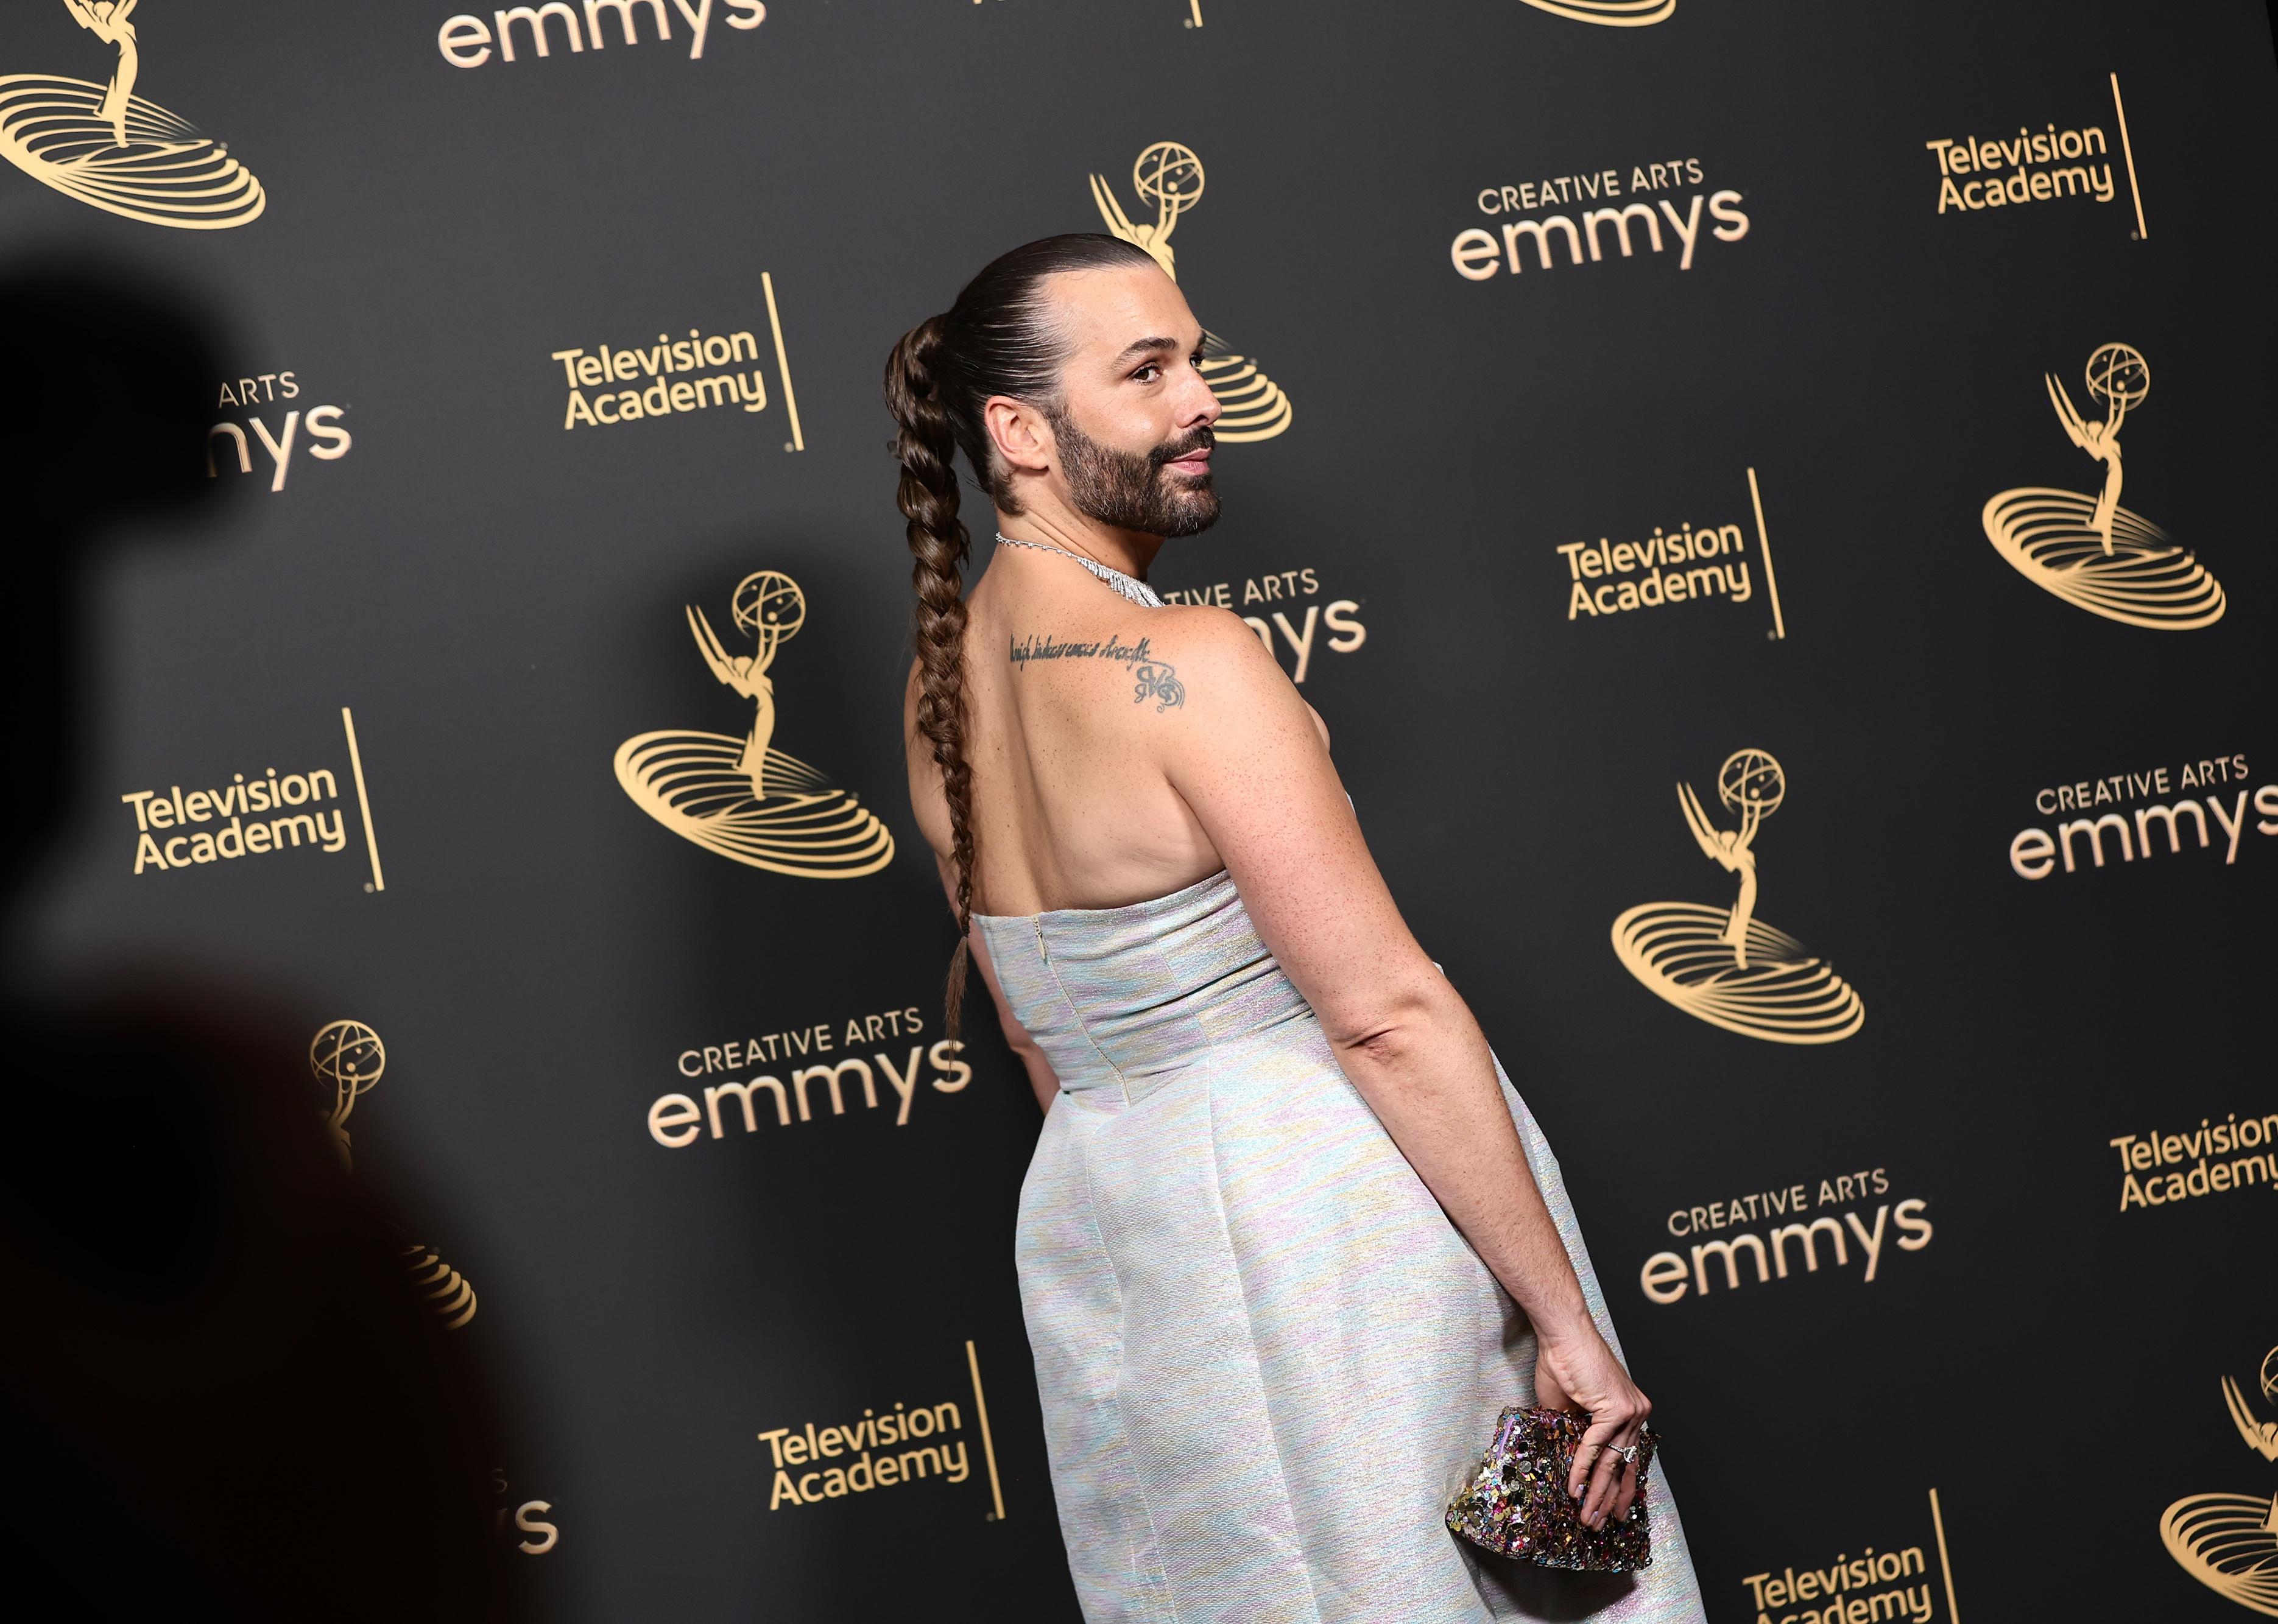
1248	759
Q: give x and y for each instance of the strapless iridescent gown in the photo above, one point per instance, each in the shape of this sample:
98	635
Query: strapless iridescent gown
1266	1358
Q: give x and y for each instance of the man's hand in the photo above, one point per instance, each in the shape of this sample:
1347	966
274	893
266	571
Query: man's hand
1579	1372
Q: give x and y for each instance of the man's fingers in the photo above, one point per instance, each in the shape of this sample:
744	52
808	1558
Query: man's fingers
1594	1463
1627	1497
1624	1493
1588	1454
1605	1479
1611	1481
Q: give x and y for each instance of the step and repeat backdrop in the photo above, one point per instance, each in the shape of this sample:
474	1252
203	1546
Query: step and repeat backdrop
1772	501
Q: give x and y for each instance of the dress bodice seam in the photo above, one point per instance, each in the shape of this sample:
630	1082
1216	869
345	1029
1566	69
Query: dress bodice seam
1075	1011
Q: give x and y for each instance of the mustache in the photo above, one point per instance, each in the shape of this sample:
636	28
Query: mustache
1202	440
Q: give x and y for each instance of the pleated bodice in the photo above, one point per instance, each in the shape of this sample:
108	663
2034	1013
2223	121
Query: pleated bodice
1123	997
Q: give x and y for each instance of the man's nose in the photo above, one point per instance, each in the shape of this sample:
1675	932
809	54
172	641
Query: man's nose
1200	405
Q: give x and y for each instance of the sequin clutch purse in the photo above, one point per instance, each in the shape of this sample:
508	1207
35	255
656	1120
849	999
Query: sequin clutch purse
1516	1505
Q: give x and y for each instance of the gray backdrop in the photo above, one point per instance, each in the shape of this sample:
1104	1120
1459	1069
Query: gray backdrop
500	603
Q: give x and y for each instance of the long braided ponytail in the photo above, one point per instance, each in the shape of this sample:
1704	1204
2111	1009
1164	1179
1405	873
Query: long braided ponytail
995	339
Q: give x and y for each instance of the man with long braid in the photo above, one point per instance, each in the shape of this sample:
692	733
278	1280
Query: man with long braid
1290	1240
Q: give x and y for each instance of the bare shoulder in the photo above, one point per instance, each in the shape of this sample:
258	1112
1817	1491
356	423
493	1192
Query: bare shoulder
1225	671
1205	693
1242	683
1190	658
1207	634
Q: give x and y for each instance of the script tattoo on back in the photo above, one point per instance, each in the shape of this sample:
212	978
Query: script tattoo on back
1152	678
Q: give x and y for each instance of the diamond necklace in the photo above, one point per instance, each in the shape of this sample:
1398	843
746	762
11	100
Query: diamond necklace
1137	592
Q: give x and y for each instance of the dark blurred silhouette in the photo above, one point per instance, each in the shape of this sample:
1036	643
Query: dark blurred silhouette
222	1395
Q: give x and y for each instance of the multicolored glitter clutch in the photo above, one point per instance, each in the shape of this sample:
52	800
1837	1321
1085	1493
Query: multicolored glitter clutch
1516	1505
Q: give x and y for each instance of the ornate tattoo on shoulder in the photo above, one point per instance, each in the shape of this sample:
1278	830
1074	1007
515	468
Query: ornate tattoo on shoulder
1152	678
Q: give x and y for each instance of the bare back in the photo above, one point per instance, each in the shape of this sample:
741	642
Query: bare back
1072	697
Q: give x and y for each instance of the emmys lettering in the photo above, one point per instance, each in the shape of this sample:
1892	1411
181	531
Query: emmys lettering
1724	966
325	439
1169	177
1336	619
2229	1542
1611	226
742	798
2213	1159
2089	550
252	816
2216	821
1667	1277
532	1534
676	1120
1680	565
2035	166
466	41
107	147
346	1058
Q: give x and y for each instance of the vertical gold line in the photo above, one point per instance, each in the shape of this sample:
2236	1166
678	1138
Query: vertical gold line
2127	151
782	362
364	801
988	1444
1764	549
1197	6
1937	1521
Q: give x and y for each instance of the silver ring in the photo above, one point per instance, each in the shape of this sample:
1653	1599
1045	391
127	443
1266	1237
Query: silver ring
1628	1455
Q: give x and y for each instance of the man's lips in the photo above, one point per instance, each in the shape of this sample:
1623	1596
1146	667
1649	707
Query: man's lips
1194	463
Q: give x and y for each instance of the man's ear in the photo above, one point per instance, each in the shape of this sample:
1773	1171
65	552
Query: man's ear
1020	434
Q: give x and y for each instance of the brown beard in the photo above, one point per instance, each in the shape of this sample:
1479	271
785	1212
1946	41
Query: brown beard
1136	492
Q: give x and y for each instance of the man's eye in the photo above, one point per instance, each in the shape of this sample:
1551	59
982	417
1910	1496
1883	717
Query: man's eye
1148	374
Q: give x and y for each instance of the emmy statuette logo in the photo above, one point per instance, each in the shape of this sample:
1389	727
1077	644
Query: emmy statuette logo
1610	13
742	798
1725	966
346	1058
2229	1542
1169	177
109	148
2089	550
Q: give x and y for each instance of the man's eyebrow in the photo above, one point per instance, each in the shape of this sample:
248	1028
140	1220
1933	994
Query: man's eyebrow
1145	346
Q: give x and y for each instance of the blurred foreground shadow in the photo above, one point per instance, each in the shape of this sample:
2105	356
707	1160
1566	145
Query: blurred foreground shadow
223	1395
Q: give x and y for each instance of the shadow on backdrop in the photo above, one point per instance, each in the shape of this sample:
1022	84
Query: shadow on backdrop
223	1395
